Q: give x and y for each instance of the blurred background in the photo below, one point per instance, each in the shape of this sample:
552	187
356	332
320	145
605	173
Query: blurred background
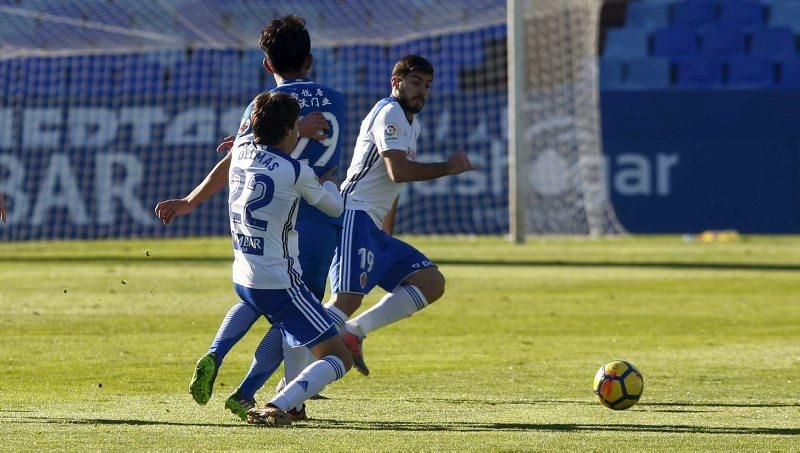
642	116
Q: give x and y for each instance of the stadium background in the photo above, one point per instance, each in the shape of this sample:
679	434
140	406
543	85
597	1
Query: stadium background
102	114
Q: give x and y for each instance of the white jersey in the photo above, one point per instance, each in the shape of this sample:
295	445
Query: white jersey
265	188
368	186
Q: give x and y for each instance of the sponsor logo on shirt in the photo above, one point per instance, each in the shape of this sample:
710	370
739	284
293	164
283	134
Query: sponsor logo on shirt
249	245
390	132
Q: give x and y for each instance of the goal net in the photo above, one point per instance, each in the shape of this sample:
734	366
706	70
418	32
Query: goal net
558	183
110	106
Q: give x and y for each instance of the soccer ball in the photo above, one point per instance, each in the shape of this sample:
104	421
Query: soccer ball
618	385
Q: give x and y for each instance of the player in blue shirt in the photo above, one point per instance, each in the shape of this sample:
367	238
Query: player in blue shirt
286	43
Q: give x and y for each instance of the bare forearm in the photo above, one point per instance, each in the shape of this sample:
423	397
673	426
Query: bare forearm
418	171
216	180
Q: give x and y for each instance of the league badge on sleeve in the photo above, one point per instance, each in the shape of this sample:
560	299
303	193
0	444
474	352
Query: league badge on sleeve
245	125
390	132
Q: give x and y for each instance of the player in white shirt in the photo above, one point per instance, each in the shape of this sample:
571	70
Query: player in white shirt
266	185
367	256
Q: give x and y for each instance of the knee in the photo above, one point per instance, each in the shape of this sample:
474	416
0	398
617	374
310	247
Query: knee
347	302
434	288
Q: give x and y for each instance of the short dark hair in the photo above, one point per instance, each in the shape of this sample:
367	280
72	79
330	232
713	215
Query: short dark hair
272	116
412	63
286	43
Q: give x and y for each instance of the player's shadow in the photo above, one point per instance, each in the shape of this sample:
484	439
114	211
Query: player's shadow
430	426
114	421
541	427
677	405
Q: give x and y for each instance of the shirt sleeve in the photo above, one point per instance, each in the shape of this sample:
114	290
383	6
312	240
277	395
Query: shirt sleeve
326	198
391	130
244	125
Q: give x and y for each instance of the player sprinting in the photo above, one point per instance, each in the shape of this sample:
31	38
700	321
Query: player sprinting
286	44
385	159
266	185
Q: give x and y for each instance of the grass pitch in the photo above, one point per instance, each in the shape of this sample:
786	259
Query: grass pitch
99	340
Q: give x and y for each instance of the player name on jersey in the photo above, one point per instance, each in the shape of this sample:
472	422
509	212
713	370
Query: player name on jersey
308	99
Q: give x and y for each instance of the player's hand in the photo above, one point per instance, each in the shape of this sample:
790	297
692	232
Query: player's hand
226	145
313	126
331	176
167	210
459	163
2	210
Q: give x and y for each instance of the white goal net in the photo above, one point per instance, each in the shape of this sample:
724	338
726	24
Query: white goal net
558	177
108	106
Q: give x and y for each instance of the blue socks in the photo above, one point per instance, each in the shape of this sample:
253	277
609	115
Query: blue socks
236	323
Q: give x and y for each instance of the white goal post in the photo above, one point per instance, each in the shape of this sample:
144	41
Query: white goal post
556	173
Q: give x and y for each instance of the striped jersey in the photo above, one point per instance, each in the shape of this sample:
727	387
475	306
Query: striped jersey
368	186
266	186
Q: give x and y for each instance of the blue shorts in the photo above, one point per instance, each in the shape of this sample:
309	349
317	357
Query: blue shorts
299	315
367	257
317	243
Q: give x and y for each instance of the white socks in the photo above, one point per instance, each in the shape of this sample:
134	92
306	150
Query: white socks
296	359
404	302
310	382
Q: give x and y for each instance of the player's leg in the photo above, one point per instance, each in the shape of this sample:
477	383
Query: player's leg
317	242
317	245
354	272
266	360
415	293
307	323
236	323
333	362
415	283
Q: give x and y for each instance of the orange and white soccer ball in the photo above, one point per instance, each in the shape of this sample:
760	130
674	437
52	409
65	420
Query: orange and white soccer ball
618	385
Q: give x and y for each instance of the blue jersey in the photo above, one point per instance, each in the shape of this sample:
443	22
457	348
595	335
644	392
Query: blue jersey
321	156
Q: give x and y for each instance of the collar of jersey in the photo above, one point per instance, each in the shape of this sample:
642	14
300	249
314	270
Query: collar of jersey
272	150
293	81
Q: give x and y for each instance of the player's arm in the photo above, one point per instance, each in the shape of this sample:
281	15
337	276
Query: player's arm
216	180
401	169
323	193
388	221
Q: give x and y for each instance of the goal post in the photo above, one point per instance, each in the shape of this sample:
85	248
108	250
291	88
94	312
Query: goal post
557	181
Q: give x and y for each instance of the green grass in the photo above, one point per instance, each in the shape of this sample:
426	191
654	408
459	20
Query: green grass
99	341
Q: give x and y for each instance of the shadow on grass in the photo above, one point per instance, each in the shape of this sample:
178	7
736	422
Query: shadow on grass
430	426
592	402
450	262
113	421
543	427
438	427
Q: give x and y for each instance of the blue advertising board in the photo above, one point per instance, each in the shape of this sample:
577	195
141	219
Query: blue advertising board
677	161
94	167
688	161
